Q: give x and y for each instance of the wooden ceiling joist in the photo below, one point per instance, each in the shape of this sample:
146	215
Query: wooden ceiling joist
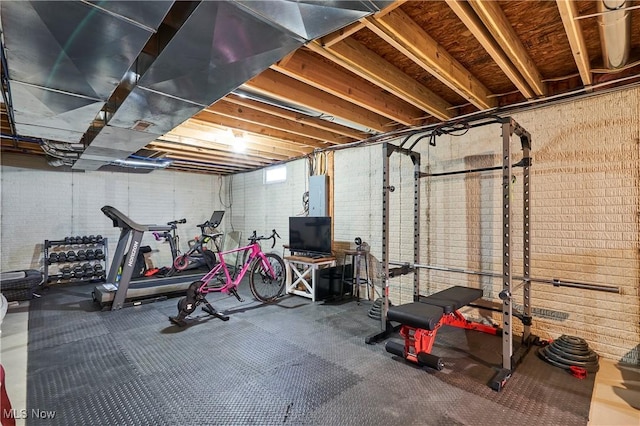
282	138
319	123
569	13
260	118
207	130
466	14
404	34
173	145
337	36
287	89
361	61
500	28
312	70
206	140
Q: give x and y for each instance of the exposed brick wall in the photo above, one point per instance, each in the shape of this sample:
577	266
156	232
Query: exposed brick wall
584	215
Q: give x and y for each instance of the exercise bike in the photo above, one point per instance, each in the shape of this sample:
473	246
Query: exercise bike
199	255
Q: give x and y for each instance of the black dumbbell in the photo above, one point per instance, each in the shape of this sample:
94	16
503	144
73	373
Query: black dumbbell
78	272
88	269
62	257
92	239
99	254
97	268
90	254
98	238
66	272
71	256
53	257
81	255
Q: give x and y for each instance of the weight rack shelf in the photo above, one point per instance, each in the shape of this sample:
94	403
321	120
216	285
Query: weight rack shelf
75	260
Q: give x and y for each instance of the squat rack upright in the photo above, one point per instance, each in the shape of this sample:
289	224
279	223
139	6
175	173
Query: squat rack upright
510	357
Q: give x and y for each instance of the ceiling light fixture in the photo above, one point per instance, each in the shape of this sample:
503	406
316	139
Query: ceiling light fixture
150	163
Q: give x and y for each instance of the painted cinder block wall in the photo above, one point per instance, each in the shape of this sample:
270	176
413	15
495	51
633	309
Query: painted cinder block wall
40	205
584	215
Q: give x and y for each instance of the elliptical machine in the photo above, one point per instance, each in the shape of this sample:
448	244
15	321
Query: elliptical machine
198	254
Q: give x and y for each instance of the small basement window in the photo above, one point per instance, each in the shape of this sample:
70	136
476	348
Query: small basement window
275	174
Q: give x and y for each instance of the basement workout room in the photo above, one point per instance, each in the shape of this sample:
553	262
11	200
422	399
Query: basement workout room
296	212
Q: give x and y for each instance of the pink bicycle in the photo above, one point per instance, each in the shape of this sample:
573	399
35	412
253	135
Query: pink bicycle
266	279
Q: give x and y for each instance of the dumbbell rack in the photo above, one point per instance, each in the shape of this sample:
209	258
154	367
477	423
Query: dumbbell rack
75	260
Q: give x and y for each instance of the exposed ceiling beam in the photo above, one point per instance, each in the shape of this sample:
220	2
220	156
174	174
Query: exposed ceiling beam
181	149
279	86
279	137
368	65
404	34
502	31
253	116
205	139
341	34
468	17
314	71
569	13
333	38
313	121
258	142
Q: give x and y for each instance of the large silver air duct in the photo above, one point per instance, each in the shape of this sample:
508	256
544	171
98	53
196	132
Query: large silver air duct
615	32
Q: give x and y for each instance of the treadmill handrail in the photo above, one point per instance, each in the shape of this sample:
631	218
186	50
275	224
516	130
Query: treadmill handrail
120	220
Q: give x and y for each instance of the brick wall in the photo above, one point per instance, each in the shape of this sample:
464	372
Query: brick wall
584	215
584	218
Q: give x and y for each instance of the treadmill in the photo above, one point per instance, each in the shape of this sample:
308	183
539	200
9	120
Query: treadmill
126	292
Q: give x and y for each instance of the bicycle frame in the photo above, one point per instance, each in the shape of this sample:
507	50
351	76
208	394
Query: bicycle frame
255	252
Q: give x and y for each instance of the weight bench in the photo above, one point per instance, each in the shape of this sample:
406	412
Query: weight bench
421	321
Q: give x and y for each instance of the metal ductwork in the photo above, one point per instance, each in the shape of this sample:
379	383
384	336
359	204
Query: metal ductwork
66	59
615	32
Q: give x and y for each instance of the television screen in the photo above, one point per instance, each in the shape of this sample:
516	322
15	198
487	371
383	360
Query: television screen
310	235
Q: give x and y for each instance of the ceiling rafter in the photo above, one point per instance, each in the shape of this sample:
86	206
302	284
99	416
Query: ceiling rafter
284	88
256	146
402	32
310	69
502	31
313	121
468	17
337	36
253	116
175	148
282	139
358	59
569	13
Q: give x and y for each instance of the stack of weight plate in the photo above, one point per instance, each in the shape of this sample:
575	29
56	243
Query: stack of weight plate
570	351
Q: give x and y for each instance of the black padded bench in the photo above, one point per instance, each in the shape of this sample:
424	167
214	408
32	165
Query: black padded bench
421	321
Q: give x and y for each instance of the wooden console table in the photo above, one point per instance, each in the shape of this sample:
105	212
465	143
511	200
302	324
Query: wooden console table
305	270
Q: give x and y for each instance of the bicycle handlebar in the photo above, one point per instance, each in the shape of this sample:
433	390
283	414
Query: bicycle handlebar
177	221
253	238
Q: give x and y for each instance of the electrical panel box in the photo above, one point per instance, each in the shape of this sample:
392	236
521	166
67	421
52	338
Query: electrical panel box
318	195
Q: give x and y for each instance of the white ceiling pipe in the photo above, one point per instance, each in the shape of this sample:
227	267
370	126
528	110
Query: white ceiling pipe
615	32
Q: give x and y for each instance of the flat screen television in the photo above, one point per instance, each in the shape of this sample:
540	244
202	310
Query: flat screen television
310	236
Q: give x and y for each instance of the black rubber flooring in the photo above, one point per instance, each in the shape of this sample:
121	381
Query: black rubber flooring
294	362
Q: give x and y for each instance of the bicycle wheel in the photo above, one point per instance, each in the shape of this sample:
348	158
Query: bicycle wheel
264	287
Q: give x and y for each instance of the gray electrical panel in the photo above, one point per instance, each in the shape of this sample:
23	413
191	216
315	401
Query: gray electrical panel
318	196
